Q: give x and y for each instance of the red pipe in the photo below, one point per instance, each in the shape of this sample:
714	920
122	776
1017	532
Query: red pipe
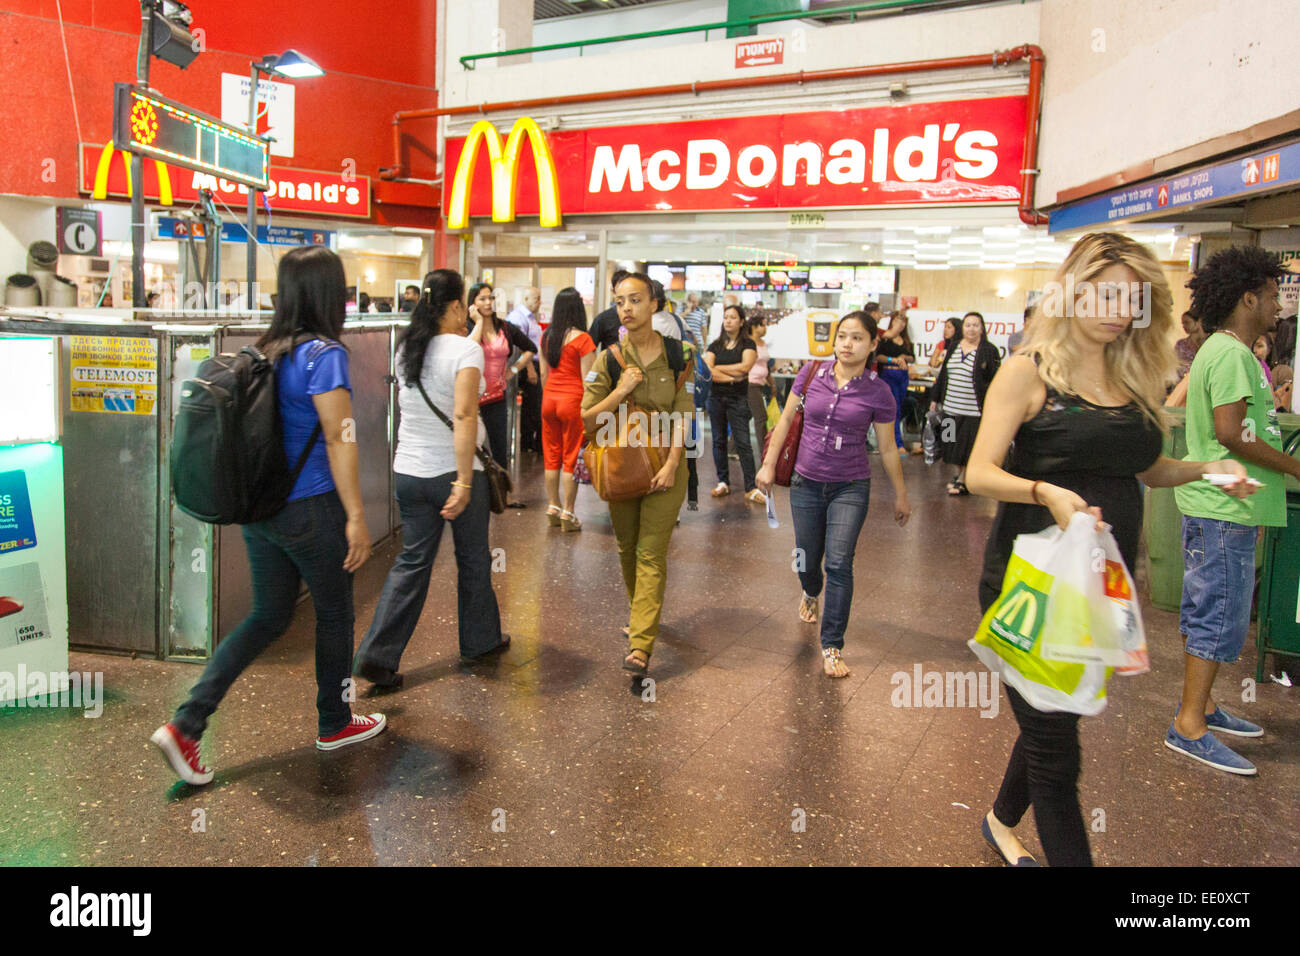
1028	172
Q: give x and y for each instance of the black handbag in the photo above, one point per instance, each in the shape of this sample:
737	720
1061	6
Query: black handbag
499	484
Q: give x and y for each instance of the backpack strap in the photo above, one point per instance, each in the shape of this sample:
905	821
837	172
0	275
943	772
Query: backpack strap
616	370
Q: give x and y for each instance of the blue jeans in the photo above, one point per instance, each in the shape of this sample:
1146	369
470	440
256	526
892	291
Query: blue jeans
731	410
828	518
896	379
1218	584
306	541
407	585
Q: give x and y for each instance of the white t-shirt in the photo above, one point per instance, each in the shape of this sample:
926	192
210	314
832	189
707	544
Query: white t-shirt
665	323
425	445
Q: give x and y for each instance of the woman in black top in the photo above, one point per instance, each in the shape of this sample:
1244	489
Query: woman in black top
969	363
730	357
1082	402
893	355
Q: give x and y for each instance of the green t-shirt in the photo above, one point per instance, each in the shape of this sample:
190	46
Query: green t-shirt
1225	372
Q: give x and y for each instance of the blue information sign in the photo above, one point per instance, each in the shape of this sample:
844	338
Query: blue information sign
1258	172
17	529
169	227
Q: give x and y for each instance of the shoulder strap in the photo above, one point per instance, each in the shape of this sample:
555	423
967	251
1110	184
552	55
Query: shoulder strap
676	355
299	338
807	383
483	457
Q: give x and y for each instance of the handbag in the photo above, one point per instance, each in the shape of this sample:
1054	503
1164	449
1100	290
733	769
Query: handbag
499	484
784	468
622	468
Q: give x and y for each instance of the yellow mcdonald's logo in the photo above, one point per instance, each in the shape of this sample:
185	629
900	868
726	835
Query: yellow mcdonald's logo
505	165
1020	612
100	190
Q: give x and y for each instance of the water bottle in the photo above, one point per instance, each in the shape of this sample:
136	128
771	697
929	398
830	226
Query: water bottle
929	442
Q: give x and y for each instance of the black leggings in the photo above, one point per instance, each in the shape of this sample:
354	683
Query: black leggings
1044	771
497	425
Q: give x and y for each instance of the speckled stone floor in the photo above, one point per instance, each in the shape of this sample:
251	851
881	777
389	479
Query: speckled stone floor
745	754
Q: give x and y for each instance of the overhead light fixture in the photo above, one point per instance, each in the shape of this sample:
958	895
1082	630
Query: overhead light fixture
290	64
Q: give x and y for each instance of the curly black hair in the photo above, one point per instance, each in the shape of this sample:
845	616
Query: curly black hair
1225	277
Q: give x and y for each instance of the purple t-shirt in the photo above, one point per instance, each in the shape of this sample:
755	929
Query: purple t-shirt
833	446
314	368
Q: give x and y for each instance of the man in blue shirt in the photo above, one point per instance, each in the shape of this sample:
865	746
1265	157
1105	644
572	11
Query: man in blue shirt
526	317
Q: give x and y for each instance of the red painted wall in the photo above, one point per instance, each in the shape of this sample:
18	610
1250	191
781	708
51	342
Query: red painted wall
375	66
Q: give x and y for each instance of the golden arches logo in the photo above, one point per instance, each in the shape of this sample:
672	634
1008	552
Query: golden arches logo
1018	618
100	190
505	173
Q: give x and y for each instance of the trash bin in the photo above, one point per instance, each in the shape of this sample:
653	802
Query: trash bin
1279	586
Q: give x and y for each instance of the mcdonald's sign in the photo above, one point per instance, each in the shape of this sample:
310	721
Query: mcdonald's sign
1019	617
100	188
504	166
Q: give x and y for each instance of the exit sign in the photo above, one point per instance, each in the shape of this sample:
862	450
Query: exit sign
148	124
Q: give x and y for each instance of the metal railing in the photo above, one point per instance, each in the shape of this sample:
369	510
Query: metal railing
852	12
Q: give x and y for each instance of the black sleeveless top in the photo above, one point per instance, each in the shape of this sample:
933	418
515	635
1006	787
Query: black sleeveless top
1095	451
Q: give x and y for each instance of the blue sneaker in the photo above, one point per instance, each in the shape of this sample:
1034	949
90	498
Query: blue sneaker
1208	750
1223	722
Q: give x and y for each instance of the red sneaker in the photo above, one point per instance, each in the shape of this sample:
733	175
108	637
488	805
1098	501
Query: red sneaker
182	754
361	728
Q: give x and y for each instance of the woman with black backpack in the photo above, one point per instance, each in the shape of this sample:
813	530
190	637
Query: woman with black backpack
319	536
439	480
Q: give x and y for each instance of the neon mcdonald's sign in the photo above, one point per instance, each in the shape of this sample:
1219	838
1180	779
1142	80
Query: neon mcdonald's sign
505	173
100	190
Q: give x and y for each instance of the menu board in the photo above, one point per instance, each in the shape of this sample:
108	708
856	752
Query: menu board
830	278
787	279
875	280
706	278
746	278
671	275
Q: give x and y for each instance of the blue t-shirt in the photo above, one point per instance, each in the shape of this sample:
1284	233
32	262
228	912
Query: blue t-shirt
315	367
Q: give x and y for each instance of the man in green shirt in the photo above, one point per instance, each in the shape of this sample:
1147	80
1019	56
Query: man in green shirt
1229	414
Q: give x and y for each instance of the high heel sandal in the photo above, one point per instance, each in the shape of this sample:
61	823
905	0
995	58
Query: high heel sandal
553	516
569	521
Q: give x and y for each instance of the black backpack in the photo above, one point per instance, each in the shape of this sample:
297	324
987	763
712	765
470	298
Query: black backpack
227	457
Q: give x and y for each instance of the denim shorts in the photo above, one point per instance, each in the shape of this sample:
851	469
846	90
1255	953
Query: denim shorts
1218	584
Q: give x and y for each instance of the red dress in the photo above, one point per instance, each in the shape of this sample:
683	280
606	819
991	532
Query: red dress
562	406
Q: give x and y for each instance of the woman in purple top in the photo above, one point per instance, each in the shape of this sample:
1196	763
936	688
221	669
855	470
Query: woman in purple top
832	476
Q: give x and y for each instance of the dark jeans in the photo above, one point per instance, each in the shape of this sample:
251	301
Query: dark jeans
828	518
407	585
497	426
1044	771
304	542
896	378
530	412
733	410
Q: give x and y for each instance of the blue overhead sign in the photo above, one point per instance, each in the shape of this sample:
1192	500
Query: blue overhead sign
169	227
1258	172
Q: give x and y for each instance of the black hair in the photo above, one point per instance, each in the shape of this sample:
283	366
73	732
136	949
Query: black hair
411	288
311	296
742	334
907	336
383	305
619	276
870	308
474	290
363	302
954	323
657	290
641	277
1228	275
567	313
869	325
442	287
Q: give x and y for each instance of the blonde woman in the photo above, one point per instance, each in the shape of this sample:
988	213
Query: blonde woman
1082	403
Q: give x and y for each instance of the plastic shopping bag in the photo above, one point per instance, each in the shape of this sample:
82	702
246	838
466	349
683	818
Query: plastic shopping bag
930	438
773	413
1066	618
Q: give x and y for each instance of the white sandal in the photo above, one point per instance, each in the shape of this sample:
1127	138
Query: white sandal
569	521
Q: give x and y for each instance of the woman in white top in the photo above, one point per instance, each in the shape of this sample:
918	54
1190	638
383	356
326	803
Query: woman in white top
439	479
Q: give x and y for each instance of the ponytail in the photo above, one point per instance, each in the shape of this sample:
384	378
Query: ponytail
441	288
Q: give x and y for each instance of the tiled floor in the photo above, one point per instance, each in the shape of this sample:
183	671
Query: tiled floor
743	753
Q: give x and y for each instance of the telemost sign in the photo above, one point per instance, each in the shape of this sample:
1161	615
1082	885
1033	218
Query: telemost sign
305	191
966	151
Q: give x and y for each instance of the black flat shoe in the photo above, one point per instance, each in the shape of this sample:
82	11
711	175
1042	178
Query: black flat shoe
379	676
479	658
516	504
988	835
